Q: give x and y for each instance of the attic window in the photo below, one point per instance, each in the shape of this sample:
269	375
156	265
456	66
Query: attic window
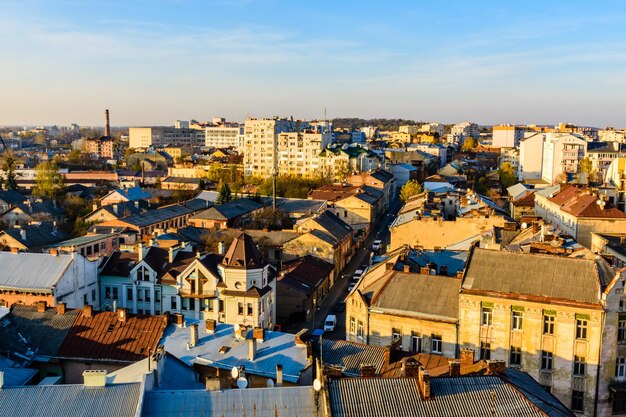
111	327
223	349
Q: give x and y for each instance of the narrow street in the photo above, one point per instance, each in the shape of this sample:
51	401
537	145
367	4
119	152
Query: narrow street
340	290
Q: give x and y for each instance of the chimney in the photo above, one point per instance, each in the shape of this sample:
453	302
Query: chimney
193	335
455	368
299	337
87	310
41	306
251	349
496	367
94	207
179	319
1	379
170	254
368	370
209	326
54	252
459	274
259	334
23	234
411	368
121	314
467	356
94	378
425	270
407	268
424	382
107	127
212	384
279	375
61	308
15	250
141	248
221	248
115	210
389	266
443	270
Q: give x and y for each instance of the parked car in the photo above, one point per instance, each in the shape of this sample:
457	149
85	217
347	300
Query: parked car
330	323
377	245
351	286
358	274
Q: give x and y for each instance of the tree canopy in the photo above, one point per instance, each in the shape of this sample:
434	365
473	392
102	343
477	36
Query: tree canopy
8	166
507	175
48	181
469	143
225	195
411	188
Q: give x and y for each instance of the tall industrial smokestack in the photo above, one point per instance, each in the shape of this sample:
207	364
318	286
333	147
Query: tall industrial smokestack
107	127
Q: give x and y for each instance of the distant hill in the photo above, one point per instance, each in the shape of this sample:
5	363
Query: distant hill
382	124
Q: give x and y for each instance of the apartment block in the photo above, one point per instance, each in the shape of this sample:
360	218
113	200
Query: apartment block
287	147
145	137
507	136
218	133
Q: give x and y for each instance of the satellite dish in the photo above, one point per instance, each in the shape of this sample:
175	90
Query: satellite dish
236	327
234	372
317	385
524	225
433	271
242	383
270	383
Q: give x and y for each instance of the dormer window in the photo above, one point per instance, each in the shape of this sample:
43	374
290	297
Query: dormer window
238	285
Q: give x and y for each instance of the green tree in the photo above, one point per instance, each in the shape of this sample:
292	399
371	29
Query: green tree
410	189
507	175
469	143
224	195
48	181
8	166
586	167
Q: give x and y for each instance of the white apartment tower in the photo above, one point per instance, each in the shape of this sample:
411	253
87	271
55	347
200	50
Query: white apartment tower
287	147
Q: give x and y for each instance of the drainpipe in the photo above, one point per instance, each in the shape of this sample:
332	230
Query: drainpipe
595	400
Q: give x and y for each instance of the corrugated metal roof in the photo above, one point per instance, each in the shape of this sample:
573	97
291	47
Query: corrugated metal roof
350	356
532	274
258	402
38	271
399	397
70	400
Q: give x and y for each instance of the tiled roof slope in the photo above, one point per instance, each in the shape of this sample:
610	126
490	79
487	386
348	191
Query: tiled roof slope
243	253
104	337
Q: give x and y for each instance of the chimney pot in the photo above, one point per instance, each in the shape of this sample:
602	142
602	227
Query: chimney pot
179	319
411	368
87	310
193	335
455	368
121	314
41	306
259	334
15	250
407	268
496	367
54	252
459	274
389	266
251	349
367	370
209	325
425	270
61	308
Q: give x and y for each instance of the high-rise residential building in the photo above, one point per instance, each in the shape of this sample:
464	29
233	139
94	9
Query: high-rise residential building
462	130
548	155
612	135
507	136
409	129
434	127
218	133
145	137
287	147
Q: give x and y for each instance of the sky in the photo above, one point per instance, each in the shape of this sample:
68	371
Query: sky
153	62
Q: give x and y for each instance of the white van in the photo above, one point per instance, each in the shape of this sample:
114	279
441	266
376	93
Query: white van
330	323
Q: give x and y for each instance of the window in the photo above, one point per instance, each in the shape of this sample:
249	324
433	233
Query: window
516	356
157	296
518	320
147	296
240	309
436	345
396	334
485	351
93	296
352	325
107	293
192	304
249	309
546	387
578	400
621	328
359	333
620	368
416	342
84	299
548	324
487	316
581	329
139	294
129	294
173	302
579	365
115	293
546	360
220	306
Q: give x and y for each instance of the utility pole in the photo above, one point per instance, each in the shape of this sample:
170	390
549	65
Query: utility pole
275	168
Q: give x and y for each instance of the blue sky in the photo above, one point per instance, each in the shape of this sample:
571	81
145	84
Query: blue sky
152	62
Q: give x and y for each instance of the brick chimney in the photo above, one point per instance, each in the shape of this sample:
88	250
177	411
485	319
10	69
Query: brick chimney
209	325
459	274
455	368
425	270
61	308
87	310
94	378
367	370
411	368
467	356
41	306
407	268
121	314
15	250
423	382
496	367
259	334
443	270
54	252
279	375
179	319
107	126
389	266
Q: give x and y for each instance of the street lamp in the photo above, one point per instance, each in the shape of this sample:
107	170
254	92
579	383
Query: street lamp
314	309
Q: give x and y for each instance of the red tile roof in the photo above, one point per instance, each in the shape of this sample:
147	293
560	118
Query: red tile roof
527	200
581	203
104	337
